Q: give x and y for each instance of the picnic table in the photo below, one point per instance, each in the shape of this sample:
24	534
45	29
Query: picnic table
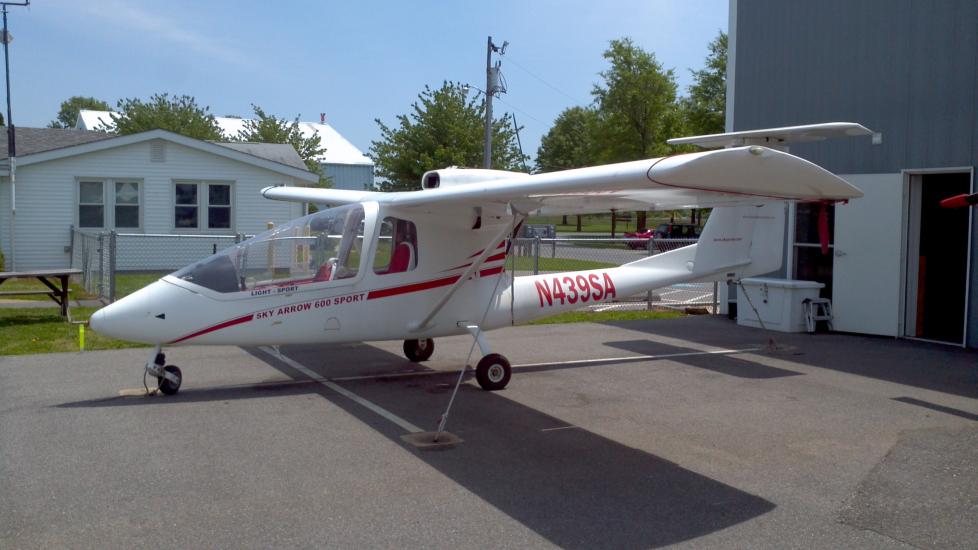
50	278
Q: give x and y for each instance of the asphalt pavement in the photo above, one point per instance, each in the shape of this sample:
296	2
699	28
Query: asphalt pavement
691	432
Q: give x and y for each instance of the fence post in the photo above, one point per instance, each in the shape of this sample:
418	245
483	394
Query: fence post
536	255
101	264
648	244
112	260
716	305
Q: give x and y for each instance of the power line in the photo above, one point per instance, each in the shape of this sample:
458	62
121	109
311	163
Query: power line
541	79
528	115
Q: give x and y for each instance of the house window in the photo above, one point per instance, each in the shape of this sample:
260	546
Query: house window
218	206
126	204
202	205
91	204
109	204
186	209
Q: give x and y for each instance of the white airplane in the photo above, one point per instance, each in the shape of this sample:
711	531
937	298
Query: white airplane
424	264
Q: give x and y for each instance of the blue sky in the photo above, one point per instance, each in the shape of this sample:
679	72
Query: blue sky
355	61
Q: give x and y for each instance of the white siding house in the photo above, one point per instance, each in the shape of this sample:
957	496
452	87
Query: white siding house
155	182
345	165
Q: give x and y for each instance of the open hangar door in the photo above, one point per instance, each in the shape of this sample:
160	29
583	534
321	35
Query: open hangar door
938	257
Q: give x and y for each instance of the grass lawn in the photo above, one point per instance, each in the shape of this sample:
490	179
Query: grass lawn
43	330
596	223
601	223
127	283
605	316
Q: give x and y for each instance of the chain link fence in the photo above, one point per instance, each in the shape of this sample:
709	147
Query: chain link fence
115	264
92	253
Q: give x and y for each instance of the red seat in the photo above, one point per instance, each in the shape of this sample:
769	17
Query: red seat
403	258
324	272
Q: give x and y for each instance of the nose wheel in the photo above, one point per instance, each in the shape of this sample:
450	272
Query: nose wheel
171	379
168	377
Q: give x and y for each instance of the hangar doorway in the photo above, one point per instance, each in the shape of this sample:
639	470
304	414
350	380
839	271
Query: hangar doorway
938	258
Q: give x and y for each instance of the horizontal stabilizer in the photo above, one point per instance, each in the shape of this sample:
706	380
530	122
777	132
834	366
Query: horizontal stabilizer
776	136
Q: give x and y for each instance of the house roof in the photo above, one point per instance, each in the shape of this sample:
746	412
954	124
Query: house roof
280	158
39	140
282	153
338	149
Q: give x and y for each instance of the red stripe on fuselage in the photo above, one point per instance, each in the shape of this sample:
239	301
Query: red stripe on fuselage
225	324
415	287
491	271
426	285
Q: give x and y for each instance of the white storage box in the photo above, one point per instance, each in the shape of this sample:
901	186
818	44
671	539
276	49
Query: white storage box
780	303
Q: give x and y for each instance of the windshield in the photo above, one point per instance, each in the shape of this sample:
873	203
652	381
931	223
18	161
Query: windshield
320	247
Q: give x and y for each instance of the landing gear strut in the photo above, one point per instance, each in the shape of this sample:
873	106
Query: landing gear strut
419	350
168	377
493	371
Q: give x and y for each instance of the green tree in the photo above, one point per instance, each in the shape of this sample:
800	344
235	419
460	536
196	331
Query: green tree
637	103
444	128
637	107
705	108
570	142
179	114
265	128
68	113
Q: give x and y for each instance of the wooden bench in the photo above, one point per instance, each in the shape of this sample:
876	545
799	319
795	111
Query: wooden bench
50	278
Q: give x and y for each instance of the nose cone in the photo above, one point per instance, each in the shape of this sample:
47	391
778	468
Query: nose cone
132	318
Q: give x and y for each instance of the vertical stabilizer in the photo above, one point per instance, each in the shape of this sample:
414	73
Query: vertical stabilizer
743	241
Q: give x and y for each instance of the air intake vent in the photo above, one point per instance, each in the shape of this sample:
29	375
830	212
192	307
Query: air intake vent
157	151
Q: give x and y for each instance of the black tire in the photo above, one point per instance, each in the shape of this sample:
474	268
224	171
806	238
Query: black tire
493	372
168	387
419	350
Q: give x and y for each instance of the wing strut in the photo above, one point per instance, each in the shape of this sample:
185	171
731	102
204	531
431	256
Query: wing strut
490	248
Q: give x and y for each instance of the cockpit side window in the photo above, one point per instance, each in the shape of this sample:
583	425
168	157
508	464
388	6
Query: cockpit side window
397	247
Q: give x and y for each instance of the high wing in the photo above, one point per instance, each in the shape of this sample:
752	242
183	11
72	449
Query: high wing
727	177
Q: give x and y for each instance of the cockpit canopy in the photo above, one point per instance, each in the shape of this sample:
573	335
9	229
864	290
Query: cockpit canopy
324	246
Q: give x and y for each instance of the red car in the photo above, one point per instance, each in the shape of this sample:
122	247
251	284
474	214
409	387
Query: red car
662	231
639	240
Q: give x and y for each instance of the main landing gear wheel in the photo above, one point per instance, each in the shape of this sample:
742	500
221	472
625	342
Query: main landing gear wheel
419	350
168	386
493	372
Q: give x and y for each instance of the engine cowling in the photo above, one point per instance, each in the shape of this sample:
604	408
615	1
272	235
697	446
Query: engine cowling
452	176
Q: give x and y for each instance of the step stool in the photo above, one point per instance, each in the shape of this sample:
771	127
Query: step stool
817	309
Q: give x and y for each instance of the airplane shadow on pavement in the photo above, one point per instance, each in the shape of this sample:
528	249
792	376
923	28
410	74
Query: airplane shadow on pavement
573	487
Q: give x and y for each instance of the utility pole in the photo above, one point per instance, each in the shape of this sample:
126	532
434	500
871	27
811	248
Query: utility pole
11	136
494	85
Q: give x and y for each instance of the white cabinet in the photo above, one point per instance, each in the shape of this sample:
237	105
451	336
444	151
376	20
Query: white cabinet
779	302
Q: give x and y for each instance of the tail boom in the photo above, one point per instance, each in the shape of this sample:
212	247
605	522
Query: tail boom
736	242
